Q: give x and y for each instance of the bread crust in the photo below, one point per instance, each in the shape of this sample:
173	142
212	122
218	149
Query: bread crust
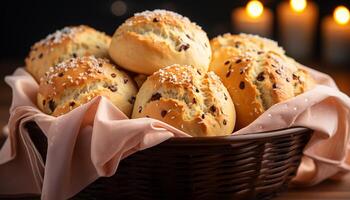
151	40
76	81
256	73
182	96
69	42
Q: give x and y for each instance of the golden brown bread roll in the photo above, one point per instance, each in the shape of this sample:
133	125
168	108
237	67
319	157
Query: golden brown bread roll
194	102
69	42
151	40
76	81
256	73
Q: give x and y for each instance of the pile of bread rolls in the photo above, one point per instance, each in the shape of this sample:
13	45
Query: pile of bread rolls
159	64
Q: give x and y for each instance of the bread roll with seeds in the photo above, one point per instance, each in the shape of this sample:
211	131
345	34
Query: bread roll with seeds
69	42
194	102
76	81
256	73
151	40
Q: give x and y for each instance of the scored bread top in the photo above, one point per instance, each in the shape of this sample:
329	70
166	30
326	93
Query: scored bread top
69	42
76	81
151	40
182	96
256	73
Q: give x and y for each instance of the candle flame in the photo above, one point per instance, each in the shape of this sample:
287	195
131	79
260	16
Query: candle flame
341	15
254	8
298	5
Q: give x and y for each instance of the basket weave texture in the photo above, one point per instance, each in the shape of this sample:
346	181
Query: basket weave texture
252	166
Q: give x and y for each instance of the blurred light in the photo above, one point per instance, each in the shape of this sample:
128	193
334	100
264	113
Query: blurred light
119	8
254	8
298	5
341	15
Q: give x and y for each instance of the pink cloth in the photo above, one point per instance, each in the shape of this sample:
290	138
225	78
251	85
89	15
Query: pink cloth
89	141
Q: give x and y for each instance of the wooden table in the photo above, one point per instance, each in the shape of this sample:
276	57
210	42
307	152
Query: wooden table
328	190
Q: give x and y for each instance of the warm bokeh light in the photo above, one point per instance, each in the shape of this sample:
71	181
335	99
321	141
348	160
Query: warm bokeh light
298	5
119	8
341	15
254	8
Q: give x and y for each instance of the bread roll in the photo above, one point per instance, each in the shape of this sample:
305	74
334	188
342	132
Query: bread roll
194	102
76	81
69	42
256	73
151	40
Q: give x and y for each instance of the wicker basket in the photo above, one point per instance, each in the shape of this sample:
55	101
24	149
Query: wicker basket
252	166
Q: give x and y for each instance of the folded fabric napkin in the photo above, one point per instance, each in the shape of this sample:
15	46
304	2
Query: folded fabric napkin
90	141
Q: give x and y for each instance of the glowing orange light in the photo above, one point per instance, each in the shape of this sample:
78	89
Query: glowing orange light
298	5
254	8
341	15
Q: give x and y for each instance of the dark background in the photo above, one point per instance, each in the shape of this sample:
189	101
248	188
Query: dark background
25	22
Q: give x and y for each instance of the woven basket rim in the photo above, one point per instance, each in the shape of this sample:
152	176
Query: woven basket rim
249	137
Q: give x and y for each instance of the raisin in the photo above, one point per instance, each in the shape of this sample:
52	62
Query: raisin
241	85
52	105
212	108
163	113
156	97
260	76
